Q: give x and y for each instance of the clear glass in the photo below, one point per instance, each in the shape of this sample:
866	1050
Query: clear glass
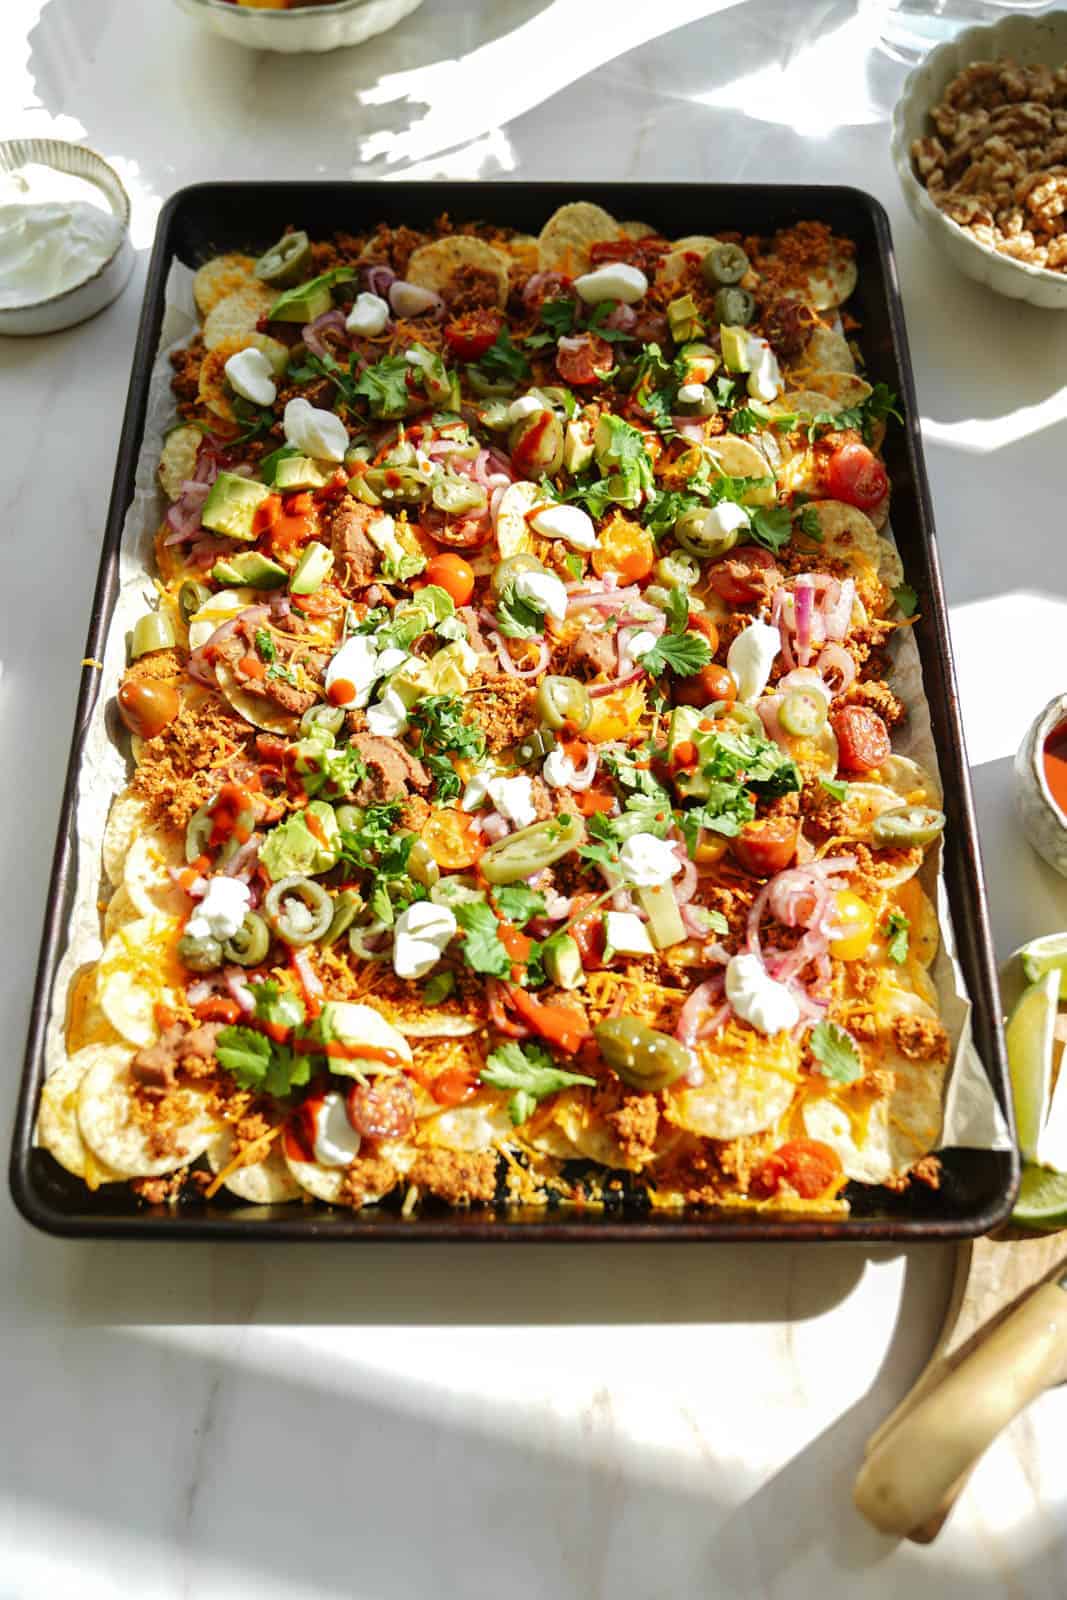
908	29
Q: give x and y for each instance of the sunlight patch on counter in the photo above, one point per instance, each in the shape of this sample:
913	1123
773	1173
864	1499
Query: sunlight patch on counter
998	705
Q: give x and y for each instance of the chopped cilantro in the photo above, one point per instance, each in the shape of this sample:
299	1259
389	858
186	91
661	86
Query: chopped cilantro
482	949
684	653
256	1062
446	779
385	387
439	721
283	1007
518	904
836	1051
503	361
772	526
897	932
809	524
530	1071
557	319
265	645
745	420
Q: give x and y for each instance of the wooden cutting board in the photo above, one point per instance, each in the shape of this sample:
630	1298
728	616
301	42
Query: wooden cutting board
1003	1342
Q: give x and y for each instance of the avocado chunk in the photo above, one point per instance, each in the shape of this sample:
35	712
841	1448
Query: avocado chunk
250	568
734	348
230	507
298	472
684	724
312	569
309	300
291	847
577	446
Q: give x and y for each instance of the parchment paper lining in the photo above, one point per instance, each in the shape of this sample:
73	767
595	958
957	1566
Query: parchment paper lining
972	1118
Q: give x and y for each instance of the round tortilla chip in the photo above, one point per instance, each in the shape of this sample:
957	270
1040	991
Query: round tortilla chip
120	910
434	266
569	233
137	969
265	1182
237	315
107	1124
638	230
832	284
846	533
125	819
590	1139
478	1125
222	276
57	1116
879	514
890	566
913	784
213	386
924	933
737	458
146	874
749	1083
254	708
827	351
842	387
805	403
178	460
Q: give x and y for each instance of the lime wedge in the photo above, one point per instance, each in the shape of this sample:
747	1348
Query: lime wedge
1042	1201
1029	1038
1048	954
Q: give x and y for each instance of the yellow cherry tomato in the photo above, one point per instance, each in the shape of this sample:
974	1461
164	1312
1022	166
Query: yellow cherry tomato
854	926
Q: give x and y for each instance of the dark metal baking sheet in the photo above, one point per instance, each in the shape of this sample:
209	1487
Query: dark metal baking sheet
977	1187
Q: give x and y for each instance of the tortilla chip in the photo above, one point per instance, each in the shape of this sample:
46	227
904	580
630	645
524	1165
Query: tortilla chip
178	461
569	234
843	387
434	266
237	315
827	351
638	230
220	276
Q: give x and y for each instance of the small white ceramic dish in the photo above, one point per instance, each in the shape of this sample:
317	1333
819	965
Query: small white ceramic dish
107	281
326	27
1043	822
1029	40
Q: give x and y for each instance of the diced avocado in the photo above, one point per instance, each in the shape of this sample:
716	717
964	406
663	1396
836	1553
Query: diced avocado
312	569
577	446
250	568
298	472
291	847
309	300
735	348
700	362
683	319
563	961
447	672
685	721
665	925
231	503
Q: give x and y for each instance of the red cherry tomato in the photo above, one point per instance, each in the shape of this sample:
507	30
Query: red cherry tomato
382	1110
452	574
767	846
581	360
862	739
146	706
808	1166
470	336
856	476
734	577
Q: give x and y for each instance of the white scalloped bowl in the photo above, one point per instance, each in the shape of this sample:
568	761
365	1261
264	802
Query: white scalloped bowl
315	28
1030	41
99	287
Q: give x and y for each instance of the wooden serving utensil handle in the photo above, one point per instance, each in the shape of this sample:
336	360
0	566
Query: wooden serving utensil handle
910	1478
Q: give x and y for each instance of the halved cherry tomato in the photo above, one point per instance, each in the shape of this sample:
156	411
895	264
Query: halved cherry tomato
384	1109
856	476
625	548
862	738
217	1009
581	360
451	840
711	683
468	337
734	577
766	846
563	1026
147	705
452	574
590	801
853	926
452	1086
515	942
588	931
808	1166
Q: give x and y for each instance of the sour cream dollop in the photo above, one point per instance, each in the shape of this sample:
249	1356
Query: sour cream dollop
569	523
543	590
56	230
336	1141
646	861
757	998
250	375
751	657
368	315
616	281
222	910
422	932
317	433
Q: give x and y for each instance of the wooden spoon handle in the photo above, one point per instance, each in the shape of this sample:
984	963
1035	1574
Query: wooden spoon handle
905	1482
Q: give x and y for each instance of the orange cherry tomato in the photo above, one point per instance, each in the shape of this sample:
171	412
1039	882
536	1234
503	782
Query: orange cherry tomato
147	705
452	574
862	738
767	846
853	930
590	801
625	548
217	1009
451	840
699	622
711	683
452	1086
808	1166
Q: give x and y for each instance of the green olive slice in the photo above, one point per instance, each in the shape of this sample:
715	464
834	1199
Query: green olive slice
643	1057
285	262
907	825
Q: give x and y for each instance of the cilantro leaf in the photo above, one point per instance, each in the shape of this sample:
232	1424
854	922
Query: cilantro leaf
745	420
365	845
518	904
684	653
836	1051
385	387
836	788
503	361
664	508
517	617
439	720
557	319
245	1054
677	609
446	779
282	1007
623	766
597	320
906	599
531	1072
879	404
772	526
265	645
897	931
809	524
482	949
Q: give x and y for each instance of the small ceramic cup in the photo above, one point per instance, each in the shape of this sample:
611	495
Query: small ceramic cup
1044	824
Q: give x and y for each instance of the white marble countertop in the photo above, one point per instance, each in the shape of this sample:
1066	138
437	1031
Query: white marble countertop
396	1423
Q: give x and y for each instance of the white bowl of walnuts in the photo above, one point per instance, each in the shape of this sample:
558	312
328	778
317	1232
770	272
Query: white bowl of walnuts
980	146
